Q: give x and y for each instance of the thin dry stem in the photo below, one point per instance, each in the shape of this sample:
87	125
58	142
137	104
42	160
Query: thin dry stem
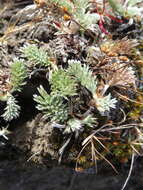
130	171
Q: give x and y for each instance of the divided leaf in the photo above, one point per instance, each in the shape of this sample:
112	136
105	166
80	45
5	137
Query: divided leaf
19	73
83	75
51	105
12	110
36	55
105	103
62	83
76	125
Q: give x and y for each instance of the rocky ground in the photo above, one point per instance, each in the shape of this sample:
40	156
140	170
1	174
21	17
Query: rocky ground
14	177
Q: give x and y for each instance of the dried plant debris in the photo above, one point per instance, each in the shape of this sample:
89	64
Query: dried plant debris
118	74
119	47
67	47
36	137
4	82
91	54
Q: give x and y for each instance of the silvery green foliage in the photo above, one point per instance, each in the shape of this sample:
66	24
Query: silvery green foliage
82	16
18	74
133	10
63	3
83	75
73	125
77	125
36	55
78	9
4	132
89	121
86	78
134	2
62	83
87	20
105	103
12	110
81	3
51	105
129	8
116	6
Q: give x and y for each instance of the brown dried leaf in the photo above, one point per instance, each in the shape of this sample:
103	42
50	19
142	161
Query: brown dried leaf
119	74
119	47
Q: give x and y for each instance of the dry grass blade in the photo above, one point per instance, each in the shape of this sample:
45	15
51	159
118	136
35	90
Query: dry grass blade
87	139
106	160
127	126
130	171
101	143
94	156
76	167
138	142
94	152
135	150
124	117
128	99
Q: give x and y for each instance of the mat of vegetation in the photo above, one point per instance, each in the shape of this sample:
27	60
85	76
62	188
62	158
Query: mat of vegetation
71	94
